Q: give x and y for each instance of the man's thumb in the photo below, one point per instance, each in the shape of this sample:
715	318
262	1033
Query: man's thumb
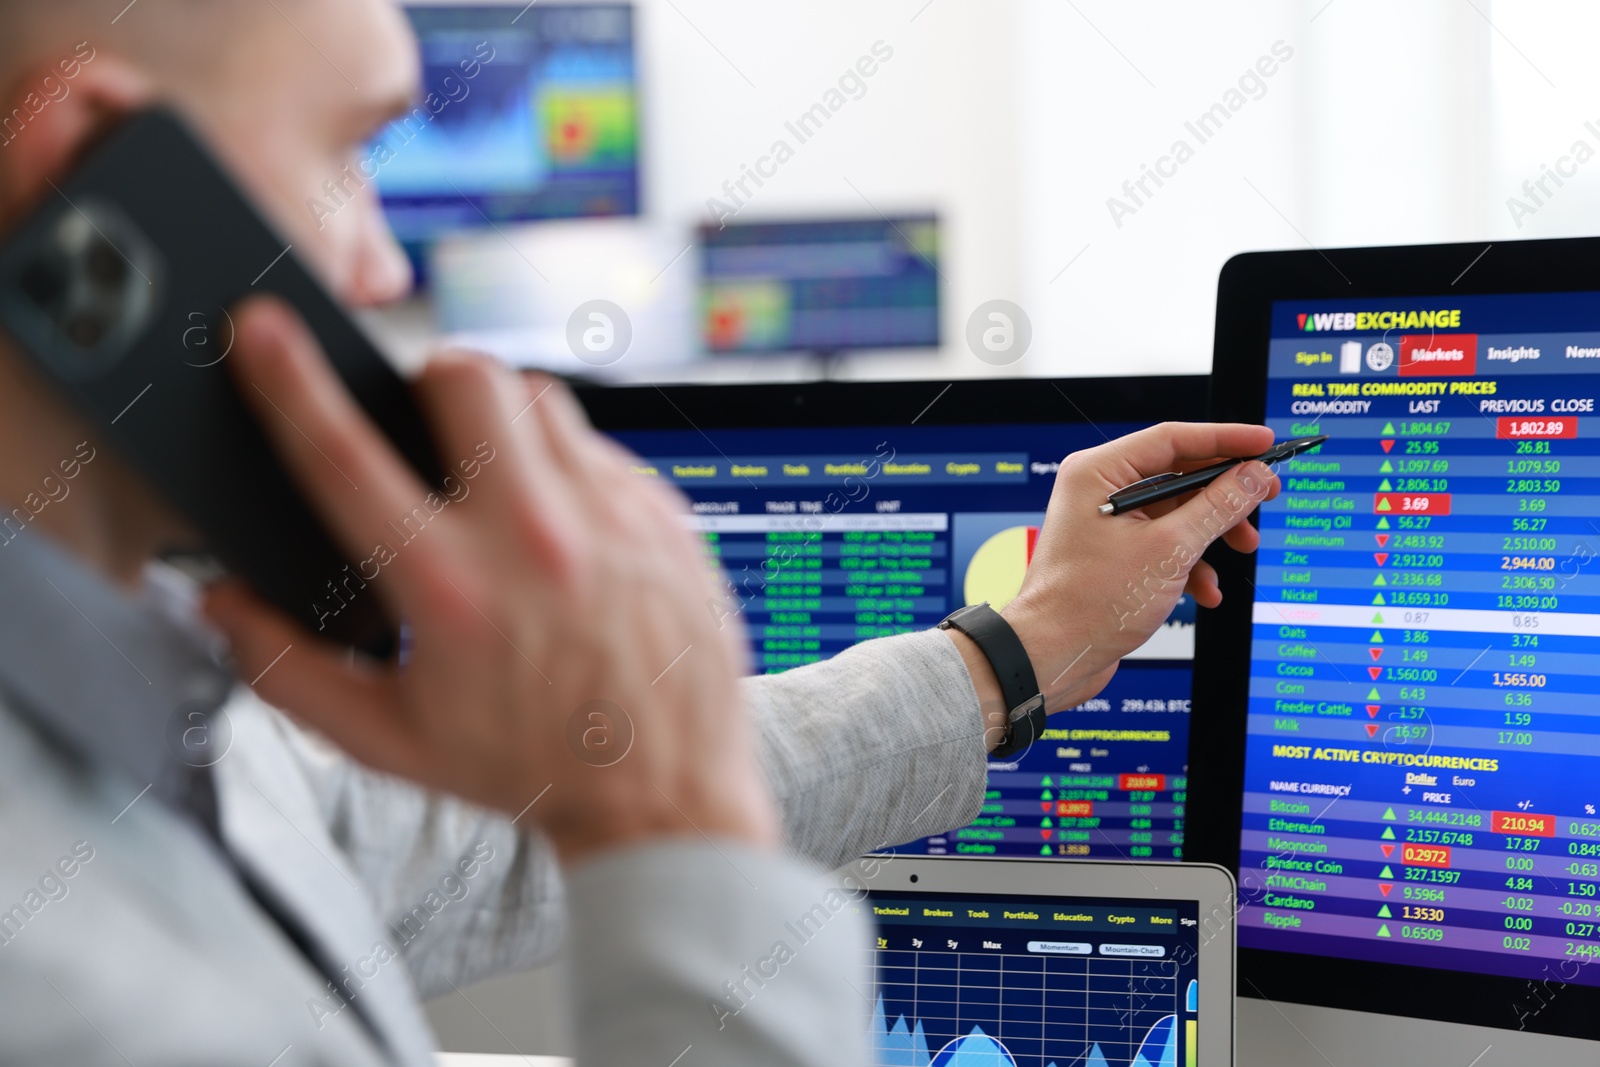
1228	501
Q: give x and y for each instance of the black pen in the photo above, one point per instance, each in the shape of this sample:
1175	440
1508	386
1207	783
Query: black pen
1166	486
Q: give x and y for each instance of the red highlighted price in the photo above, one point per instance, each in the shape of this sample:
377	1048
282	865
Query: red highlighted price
1154	783
1075	809
1515	429
1426	856
1522	823
1411	504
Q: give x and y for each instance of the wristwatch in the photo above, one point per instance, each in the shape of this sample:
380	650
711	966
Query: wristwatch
1019	688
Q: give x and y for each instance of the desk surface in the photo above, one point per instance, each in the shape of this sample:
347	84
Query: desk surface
473	1059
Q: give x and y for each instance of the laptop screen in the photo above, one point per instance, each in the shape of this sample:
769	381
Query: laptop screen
963	980
834	535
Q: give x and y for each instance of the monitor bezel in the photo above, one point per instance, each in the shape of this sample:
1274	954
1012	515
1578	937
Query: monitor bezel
836	404
1247	288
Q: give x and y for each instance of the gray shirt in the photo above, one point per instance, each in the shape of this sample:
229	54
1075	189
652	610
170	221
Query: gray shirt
188	877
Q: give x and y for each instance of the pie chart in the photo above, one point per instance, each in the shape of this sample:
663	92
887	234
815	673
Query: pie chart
995	573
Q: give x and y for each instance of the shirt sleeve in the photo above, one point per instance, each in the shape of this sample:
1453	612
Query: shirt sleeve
718	955
465	893
877	746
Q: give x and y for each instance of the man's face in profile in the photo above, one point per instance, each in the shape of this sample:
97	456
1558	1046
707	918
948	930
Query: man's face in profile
292	108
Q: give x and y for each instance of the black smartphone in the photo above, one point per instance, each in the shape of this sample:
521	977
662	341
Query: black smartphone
119	288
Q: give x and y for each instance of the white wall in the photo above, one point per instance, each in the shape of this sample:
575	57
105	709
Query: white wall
1018	120
936	128
1105	89
1395	132
1377	131
1544	90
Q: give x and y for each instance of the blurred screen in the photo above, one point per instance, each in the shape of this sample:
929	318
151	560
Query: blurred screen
523	116
822	286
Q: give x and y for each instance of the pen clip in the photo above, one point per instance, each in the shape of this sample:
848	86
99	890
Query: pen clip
1145	483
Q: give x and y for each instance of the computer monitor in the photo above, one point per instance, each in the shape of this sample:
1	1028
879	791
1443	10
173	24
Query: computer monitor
893	545
1403	754
526	114
821	287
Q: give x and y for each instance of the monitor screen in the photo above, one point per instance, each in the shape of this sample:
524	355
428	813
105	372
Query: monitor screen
524	115
1417	778
823	286
1033	981
836	534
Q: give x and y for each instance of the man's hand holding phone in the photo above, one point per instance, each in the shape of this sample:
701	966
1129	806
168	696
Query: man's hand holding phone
558	580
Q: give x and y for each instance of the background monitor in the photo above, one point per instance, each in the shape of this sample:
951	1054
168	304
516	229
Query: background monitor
525	116
823	287
888	546
1403	762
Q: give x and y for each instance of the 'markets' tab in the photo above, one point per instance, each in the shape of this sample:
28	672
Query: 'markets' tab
1431	355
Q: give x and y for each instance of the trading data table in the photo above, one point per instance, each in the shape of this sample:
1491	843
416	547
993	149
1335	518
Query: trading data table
822	585
1424	721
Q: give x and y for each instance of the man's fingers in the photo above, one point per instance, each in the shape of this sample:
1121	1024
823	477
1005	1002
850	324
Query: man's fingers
1173	444
565	426
1243	538
332	450
476	410
316	682
1202	585
1225	503
571	438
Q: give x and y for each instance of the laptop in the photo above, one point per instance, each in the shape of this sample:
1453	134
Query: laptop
1028	963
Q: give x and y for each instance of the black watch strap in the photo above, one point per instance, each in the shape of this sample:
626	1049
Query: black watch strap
1019	687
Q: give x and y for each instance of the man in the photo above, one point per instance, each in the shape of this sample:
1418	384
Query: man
274	901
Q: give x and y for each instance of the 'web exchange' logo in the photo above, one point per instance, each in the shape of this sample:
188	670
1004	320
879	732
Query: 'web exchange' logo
1361	321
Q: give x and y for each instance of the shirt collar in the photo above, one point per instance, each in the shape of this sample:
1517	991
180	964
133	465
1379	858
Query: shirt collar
126	680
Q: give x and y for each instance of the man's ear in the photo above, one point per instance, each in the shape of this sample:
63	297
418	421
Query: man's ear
48	119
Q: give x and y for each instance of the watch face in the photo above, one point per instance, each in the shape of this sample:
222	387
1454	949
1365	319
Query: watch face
1380	356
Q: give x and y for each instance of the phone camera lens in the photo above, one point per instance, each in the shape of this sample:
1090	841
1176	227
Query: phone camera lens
86	330
104	266
95	280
